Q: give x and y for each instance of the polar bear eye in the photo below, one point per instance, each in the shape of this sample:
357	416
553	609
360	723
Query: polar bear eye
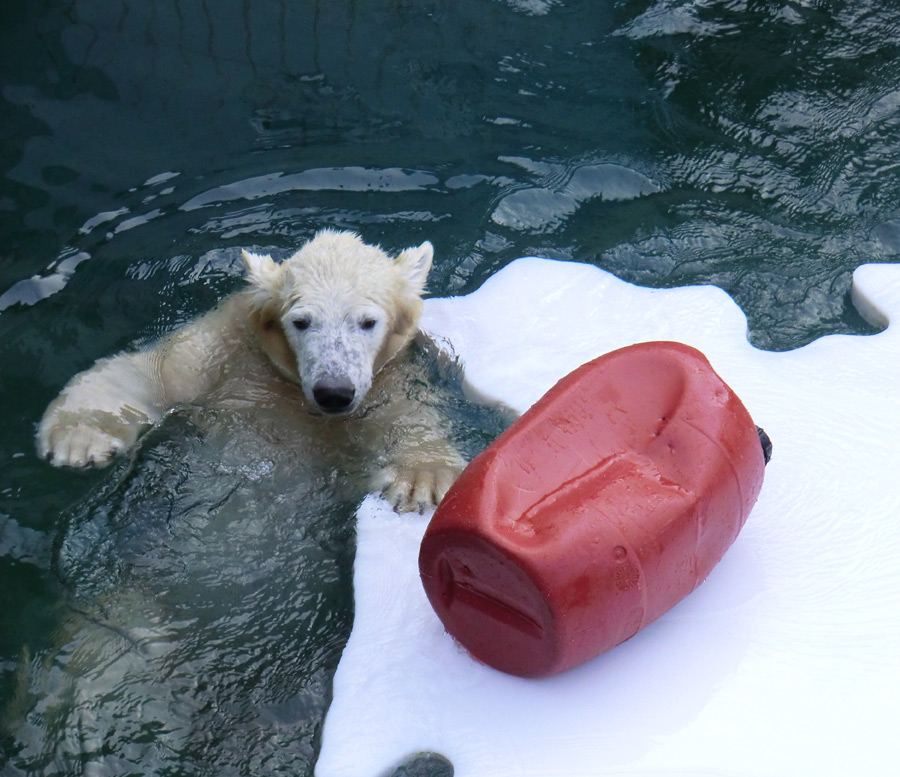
301	324
367	323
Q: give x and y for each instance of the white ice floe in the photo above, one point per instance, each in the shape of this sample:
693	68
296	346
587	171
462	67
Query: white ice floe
786	661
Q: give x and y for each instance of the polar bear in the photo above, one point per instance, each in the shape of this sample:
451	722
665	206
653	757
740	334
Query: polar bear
320	339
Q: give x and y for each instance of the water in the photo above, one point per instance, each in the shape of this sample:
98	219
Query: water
752	145
209	600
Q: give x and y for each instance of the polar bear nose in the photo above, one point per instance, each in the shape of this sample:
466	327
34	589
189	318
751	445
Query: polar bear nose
333	396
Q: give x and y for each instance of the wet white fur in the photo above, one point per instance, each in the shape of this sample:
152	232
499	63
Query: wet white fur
358	311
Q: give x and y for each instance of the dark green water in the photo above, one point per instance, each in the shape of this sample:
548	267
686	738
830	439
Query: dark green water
183	611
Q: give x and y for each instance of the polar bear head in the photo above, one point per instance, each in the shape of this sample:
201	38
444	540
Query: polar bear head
333	314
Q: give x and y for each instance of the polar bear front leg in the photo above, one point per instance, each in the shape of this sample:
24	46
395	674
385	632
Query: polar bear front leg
87	438
415	490
419	477
101	412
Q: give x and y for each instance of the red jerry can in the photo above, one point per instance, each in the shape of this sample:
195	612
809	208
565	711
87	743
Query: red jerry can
602	507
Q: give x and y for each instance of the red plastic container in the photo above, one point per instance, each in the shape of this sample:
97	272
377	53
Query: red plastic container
603	506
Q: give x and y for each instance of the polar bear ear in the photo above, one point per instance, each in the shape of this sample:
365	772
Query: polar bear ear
262	271
415	263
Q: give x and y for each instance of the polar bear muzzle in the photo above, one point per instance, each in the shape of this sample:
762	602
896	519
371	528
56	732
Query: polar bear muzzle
334	395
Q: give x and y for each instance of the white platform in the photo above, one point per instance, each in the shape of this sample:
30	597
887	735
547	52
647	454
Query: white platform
786	661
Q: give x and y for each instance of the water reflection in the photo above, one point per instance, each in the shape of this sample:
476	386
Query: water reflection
565	187
350	179
672	93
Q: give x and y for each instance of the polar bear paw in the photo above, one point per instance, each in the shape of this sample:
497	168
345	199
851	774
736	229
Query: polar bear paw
67	441
416	488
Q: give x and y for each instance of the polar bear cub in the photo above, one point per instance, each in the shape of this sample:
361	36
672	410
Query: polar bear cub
322	338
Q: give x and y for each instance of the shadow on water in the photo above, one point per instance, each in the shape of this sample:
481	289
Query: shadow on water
189	615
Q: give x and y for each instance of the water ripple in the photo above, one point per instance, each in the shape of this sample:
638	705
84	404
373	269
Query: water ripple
564	190
346	179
